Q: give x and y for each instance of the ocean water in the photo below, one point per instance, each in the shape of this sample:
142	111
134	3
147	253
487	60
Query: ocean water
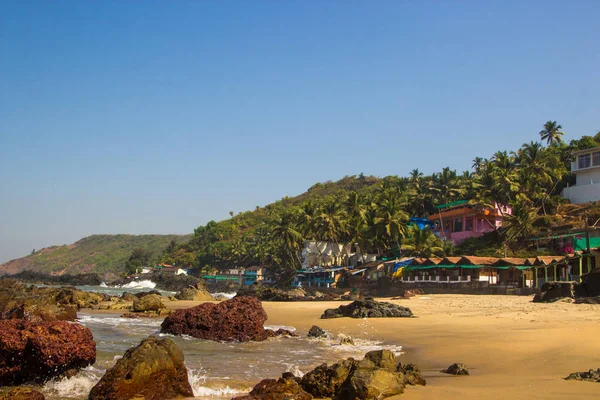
216	370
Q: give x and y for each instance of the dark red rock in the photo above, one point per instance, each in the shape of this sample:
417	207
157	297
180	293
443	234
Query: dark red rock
36	352
239	319
153	370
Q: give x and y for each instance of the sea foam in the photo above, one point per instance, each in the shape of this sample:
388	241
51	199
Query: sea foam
145	284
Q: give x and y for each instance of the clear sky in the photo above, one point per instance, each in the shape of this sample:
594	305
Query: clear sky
158	116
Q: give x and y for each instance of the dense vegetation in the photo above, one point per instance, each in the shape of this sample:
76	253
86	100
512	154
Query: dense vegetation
373	213
103	254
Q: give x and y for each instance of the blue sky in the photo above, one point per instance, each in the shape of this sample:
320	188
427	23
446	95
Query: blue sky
158	116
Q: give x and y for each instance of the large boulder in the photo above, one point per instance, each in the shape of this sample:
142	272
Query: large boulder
368	309
36	352
239	319
195	293
285	388
591	282
151	302
23	393
377	376
326	381
154	370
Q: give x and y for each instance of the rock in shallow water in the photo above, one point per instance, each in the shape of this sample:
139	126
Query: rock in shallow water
368	309
239	319
456	369
591	375
36	352
154	370
316	332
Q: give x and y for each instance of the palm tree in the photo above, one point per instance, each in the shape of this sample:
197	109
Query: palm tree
520	223
421	243
391	218
552	133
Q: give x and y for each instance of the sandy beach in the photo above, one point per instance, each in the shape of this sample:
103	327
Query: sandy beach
515	349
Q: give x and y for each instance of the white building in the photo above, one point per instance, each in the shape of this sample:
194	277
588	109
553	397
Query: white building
586	168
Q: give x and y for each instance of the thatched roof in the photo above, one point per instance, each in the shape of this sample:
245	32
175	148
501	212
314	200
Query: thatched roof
510	262
547	260
450	260
474	260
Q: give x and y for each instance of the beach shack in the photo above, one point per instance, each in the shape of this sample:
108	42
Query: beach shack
318	276
458	220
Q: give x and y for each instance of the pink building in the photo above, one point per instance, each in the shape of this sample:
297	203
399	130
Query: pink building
458	221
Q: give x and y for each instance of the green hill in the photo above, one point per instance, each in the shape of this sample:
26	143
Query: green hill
103	254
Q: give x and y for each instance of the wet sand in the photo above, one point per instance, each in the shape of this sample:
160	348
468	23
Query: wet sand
514	349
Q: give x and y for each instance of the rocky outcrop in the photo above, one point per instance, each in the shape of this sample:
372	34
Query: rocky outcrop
285	388
368	309
36	352
23	393
195	293
316	332
591	283
553	291
456	369
154	370
271	293
377	376
591	375
239	319
18	301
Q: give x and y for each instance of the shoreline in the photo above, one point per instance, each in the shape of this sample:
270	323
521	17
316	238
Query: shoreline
514	348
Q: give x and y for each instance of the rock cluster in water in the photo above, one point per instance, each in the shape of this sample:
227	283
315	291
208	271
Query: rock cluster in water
377	376
270	293
38	351
456	369
591	375
154	370
588	291
368	309
37	342
239	319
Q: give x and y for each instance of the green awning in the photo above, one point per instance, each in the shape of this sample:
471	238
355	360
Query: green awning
472	266
580	244
519	267
453	204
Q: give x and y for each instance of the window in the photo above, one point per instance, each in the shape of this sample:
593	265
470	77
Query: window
469	224
596	158
584	161
458	225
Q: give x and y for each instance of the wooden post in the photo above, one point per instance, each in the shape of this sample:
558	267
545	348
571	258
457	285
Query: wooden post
589	263
537	281
555	280
545	274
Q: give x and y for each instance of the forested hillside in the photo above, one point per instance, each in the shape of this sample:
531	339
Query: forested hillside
374	212
103	254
